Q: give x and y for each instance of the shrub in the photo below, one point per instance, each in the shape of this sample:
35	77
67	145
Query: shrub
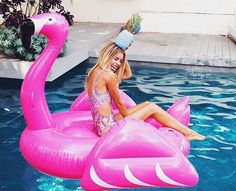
13	14
11	44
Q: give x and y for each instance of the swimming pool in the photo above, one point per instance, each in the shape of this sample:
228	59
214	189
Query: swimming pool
213	113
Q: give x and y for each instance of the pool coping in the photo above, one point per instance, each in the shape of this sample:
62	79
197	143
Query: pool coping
188	68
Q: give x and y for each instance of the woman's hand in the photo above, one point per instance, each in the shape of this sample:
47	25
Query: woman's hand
127	72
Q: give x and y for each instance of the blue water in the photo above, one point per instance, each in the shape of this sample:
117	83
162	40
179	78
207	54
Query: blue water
213	113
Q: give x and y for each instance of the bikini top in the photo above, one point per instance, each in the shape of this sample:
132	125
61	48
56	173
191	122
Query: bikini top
97	99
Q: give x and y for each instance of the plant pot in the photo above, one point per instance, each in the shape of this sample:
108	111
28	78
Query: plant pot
136	30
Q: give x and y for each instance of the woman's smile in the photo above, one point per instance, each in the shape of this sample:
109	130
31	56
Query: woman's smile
117	61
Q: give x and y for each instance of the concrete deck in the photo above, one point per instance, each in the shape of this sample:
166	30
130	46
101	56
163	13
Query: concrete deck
210	52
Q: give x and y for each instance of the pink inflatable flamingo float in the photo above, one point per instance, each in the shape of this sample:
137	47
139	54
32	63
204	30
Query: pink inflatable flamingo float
132	154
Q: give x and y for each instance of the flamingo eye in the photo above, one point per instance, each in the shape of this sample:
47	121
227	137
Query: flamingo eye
51	20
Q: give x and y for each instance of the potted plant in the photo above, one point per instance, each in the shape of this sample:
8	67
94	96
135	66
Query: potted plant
133	25
13	14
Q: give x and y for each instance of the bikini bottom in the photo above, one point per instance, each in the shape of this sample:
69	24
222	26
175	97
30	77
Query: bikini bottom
103	123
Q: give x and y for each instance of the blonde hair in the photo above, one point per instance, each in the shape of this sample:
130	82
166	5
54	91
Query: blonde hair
105	56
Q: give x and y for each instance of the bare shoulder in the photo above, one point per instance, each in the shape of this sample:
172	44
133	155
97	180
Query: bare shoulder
109	76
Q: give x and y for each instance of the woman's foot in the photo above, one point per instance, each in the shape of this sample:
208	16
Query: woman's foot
193	135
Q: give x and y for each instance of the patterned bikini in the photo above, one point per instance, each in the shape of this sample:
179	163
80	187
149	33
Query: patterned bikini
100	122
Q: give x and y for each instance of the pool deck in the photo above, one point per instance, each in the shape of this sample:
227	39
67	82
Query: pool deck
186	51
198	52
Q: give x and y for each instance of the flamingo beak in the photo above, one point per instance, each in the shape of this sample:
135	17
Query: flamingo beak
27	29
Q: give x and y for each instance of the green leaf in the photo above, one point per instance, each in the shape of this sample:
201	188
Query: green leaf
6	43
135	21
38	49
29	57
9	52
21	51
36	56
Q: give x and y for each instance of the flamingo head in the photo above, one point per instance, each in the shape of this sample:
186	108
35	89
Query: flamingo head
54	26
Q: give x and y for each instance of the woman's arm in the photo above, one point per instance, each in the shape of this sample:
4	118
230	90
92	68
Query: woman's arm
112	86
127	72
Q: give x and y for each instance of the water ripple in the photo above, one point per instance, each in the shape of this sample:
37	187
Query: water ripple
220	141
206	157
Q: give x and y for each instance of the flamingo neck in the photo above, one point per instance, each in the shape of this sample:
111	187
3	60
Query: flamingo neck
33	101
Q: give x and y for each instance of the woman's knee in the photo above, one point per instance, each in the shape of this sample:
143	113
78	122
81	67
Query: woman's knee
151	106
147	103
155	108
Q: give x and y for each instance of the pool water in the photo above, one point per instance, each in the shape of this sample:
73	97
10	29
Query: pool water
213	113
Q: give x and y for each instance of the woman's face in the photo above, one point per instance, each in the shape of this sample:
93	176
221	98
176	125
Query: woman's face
117	61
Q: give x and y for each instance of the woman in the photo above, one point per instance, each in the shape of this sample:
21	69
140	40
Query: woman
102	86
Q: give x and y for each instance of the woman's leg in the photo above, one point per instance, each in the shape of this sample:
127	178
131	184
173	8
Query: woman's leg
132	110
147	109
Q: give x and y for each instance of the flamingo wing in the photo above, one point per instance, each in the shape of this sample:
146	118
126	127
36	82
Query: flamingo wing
136	154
